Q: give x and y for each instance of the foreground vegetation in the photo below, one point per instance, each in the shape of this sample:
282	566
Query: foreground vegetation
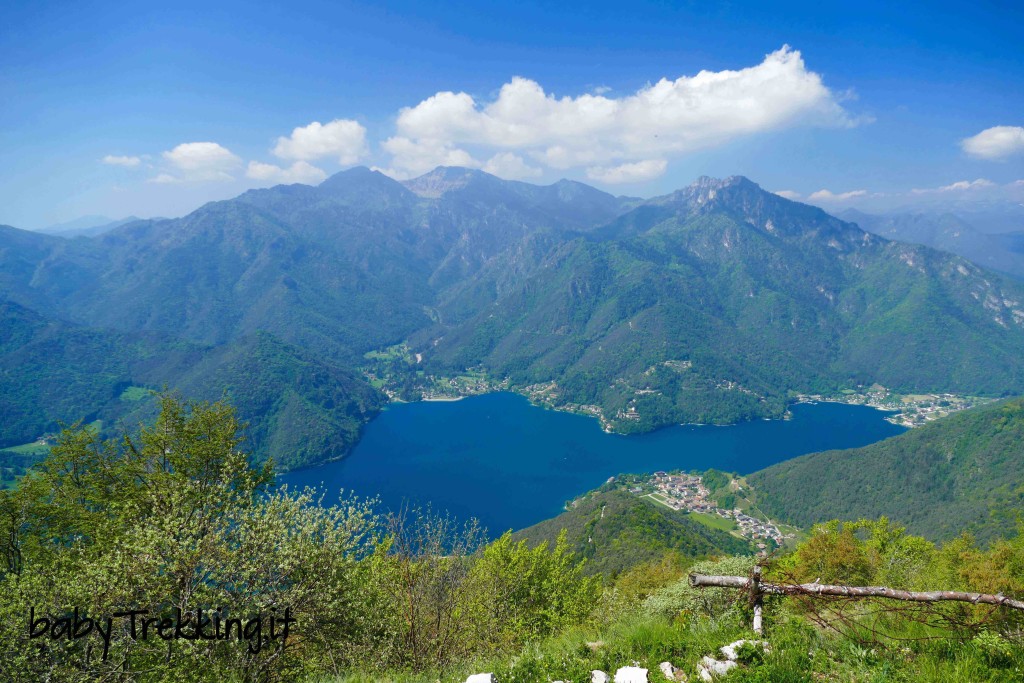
177	522
650	614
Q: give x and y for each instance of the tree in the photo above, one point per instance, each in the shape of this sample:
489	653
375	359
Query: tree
175	521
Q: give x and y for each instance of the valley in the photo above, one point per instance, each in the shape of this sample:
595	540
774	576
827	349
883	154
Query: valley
408	342
716	304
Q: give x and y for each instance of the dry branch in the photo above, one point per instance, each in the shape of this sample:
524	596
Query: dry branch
743	582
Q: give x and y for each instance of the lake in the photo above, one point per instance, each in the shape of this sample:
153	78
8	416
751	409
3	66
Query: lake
510	464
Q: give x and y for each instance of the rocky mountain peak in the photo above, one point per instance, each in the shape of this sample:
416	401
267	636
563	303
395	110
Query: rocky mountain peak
442	180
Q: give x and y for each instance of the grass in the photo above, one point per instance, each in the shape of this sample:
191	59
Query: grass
135	394
392	352
713	521
660	498
34	449
800	653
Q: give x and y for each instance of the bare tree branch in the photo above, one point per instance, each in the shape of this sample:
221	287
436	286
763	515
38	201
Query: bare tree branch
811	589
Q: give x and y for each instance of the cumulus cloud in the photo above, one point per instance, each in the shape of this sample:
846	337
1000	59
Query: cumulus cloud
628	173
299	172
198	161
788	194
998	142
411	158
510	167
829	196
959	186
344	139
126	161
670	117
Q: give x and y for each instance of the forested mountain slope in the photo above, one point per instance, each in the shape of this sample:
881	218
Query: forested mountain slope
299	409
964	472
712	304
947	231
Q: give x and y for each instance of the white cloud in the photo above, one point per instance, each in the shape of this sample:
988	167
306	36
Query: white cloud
344	139
997	142
788	194
670	117
199	161
829	196
511	167
628	173
126	161
299	172
164	179
958	186
412	158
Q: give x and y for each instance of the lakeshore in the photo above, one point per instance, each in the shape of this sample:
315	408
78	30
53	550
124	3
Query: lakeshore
906	410
511	464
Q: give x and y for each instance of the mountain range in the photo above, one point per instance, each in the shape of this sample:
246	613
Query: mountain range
87	226
715	303
948	231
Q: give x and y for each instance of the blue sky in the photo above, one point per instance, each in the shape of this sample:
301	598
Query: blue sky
113	109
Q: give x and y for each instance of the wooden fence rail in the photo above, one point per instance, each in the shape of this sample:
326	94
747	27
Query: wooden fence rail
758	589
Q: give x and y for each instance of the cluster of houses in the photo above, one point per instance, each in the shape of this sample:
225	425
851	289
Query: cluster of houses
756	529
912	410
687	492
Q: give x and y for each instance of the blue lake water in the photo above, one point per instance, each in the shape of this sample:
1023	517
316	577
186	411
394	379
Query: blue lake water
510	464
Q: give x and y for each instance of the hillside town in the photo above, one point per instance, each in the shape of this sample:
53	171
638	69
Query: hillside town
910	410
688	493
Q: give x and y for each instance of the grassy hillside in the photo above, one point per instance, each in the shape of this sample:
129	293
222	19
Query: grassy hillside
616	530
964	472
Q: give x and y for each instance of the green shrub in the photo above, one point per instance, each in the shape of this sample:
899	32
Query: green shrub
680	598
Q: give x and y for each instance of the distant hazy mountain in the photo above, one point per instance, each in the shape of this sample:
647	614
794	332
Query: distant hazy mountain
962	473
1011	241
87	226
948	232
711	304
989	216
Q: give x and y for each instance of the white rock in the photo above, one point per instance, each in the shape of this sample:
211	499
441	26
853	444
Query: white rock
710	667
598	676
730	650
481	678
668	670
723	668
631	674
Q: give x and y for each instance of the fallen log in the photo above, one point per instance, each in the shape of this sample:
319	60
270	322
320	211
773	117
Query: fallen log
754	583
